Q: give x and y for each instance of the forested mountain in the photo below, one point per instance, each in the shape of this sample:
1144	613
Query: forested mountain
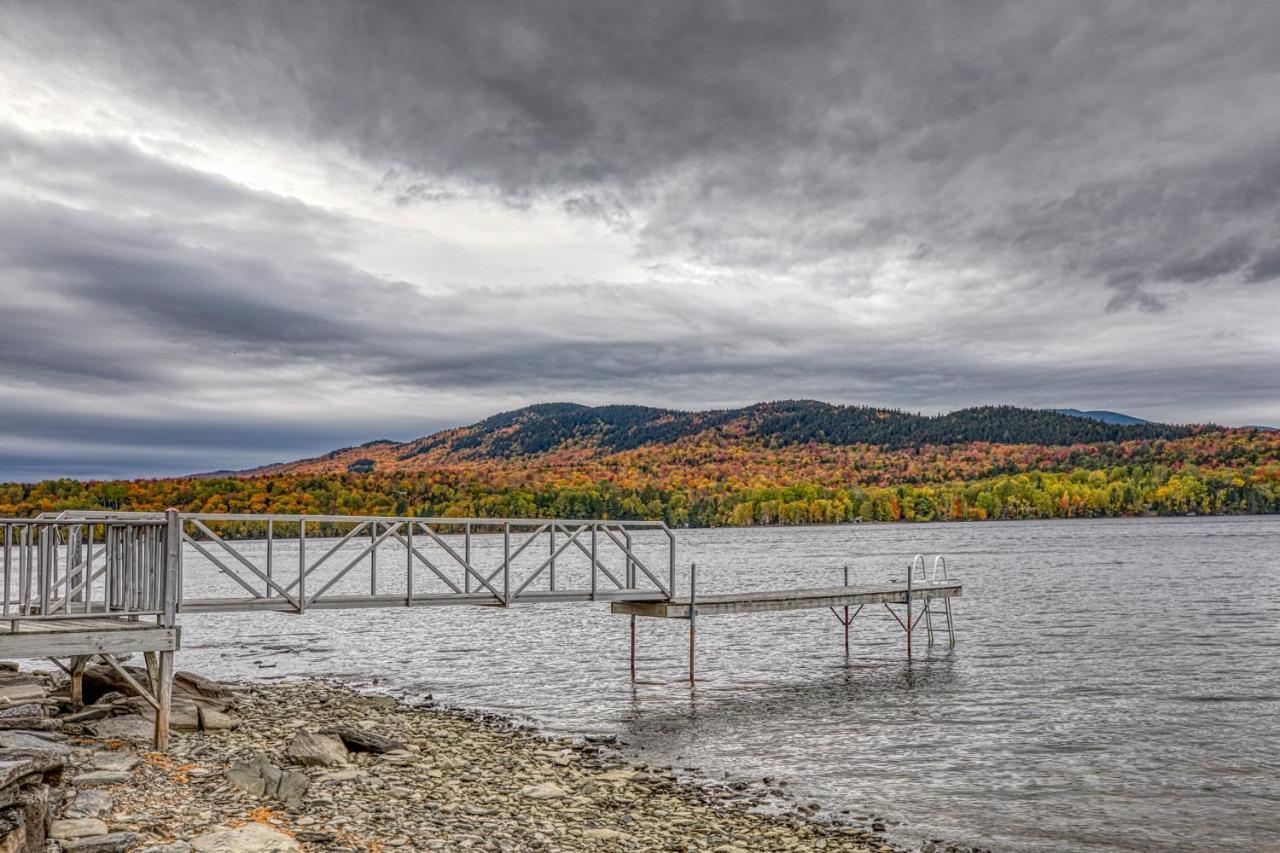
793	462
552	427
1104	416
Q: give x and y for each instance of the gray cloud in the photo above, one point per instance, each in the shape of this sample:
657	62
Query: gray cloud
927	205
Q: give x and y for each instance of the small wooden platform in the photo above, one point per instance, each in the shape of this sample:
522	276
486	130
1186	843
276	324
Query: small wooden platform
787	599
40	638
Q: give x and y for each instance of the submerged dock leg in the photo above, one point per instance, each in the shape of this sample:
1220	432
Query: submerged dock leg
846	616
693	619
633	648
909	627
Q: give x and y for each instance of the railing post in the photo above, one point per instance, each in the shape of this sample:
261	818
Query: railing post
408	564
8	564
671	556
466	555
302	564
593	560
506	563
551	550
172	561
373	558
631	566
271	531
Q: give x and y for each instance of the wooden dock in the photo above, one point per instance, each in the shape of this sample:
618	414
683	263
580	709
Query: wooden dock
84	584
58	638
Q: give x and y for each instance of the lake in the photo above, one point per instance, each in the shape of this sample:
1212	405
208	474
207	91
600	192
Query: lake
1115	683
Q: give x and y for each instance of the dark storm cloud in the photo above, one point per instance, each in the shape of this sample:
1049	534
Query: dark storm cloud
924	204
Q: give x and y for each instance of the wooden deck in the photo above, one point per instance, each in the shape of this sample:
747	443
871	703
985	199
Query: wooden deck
39	638
787	599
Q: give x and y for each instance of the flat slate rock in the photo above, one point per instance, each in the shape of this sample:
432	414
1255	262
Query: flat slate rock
114	760
129	727
112	842
72	828
21	688
91	802
31	723
31	740
101	777
250	838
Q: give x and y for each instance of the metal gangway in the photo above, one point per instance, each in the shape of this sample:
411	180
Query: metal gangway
81	584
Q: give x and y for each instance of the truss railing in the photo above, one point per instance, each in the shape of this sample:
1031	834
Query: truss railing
298	562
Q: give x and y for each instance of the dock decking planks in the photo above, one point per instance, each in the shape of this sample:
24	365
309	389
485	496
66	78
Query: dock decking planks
786	599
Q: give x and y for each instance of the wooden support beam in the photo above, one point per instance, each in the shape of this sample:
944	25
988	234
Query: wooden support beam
165	700
65	644
77	679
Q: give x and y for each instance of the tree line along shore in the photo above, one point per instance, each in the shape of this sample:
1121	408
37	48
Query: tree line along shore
736	485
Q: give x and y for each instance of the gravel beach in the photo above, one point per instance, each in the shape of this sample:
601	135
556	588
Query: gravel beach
313	765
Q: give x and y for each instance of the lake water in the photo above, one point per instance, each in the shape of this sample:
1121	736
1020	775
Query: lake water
1115	684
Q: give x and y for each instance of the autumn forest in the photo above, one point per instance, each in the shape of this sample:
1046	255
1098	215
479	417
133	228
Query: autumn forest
796	462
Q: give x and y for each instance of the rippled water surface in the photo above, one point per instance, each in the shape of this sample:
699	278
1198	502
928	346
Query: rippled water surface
1115	686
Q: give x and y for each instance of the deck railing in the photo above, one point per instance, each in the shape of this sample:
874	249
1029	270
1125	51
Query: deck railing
73	568
244	561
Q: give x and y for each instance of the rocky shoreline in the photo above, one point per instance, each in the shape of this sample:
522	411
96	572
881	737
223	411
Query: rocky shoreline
316	766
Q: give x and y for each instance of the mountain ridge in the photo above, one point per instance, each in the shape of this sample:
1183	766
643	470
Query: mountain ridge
566	429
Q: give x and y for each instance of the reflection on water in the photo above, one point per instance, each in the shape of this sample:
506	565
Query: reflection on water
1114	684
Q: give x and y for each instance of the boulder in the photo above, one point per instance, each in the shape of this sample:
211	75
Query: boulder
316	750
262	778
184	714
101	680
213	720
359	740
26	818
203	690
250	838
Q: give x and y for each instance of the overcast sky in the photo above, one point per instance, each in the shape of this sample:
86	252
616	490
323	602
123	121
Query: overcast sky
240	233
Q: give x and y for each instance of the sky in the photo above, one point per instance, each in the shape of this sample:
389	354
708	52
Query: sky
237	233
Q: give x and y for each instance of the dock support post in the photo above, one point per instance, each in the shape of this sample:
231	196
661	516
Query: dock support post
77	679
164	699
846	616
911	569
161	664
693	619
633	648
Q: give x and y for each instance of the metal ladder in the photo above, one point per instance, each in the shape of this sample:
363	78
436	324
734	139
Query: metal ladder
936	607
